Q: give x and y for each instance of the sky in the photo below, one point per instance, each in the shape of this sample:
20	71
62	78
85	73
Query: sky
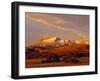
64	26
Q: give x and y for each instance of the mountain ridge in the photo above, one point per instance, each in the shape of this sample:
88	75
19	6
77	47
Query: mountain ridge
53	41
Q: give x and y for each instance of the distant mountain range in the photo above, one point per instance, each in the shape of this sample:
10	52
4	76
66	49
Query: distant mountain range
53	41
55	45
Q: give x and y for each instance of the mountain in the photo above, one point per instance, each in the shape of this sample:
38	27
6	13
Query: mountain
82	41
53	41
55	45
49	42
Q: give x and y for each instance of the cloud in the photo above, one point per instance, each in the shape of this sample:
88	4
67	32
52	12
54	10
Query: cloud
52	21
